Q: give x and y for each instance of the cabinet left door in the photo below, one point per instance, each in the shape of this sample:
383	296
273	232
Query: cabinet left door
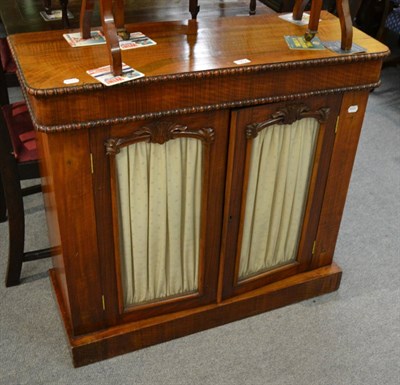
159	191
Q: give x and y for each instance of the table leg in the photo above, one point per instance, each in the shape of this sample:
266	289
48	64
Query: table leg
64	10
346	24
119	17
110	32
253	6
315	13
194	8
86	18
298	9
47	6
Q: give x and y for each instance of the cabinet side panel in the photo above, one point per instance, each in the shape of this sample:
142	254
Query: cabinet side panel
47	182
347	136
69	157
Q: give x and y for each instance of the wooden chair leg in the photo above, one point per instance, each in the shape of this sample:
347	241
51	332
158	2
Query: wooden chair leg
15	207
16	219
119	17
298	9
47	6
346	24
3	207
4	99
110	32
64	12
315	13
253	5
119	14
86	18
16	228
194	8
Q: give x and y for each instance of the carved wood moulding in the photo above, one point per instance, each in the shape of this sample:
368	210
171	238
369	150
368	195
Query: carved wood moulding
194	109
287	115
207	74
158	132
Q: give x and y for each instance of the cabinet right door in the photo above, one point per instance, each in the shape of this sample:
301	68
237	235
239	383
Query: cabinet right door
279	157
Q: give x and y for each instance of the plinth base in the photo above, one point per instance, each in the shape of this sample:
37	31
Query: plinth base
132	336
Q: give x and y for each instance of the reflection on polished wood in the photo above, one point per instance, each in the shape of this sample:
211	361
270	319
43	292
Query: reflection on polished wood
23	16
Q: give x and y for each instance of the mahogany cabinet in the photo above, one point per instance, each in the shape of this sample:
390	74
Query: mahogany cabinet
203	193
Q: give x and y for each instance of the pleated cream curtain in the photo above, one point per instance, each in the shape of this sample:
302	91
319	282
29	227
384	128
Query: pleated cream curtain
159	194
280	168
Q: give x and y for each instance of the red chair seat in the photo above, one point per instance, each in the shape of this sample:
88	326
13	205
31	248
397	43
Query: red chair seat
21	131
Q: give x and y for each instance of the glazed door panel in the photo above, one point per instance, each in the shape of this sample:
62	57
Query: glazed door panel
159	218
279	156
166	192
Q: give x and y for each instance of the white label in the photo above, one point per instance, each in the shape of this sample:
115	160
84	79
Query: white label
352	109
71	81
242	61
289	17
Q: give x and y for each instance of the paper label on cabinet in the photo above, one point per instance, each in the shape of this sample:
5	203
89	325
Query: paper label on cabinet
289	17
71	81
299	43
335	46
136	40
352	109
55	14
105	76
242	61
75	39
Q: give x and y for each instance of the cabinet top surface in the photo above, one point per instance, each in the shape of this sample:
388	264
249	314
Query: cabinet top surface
46	59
